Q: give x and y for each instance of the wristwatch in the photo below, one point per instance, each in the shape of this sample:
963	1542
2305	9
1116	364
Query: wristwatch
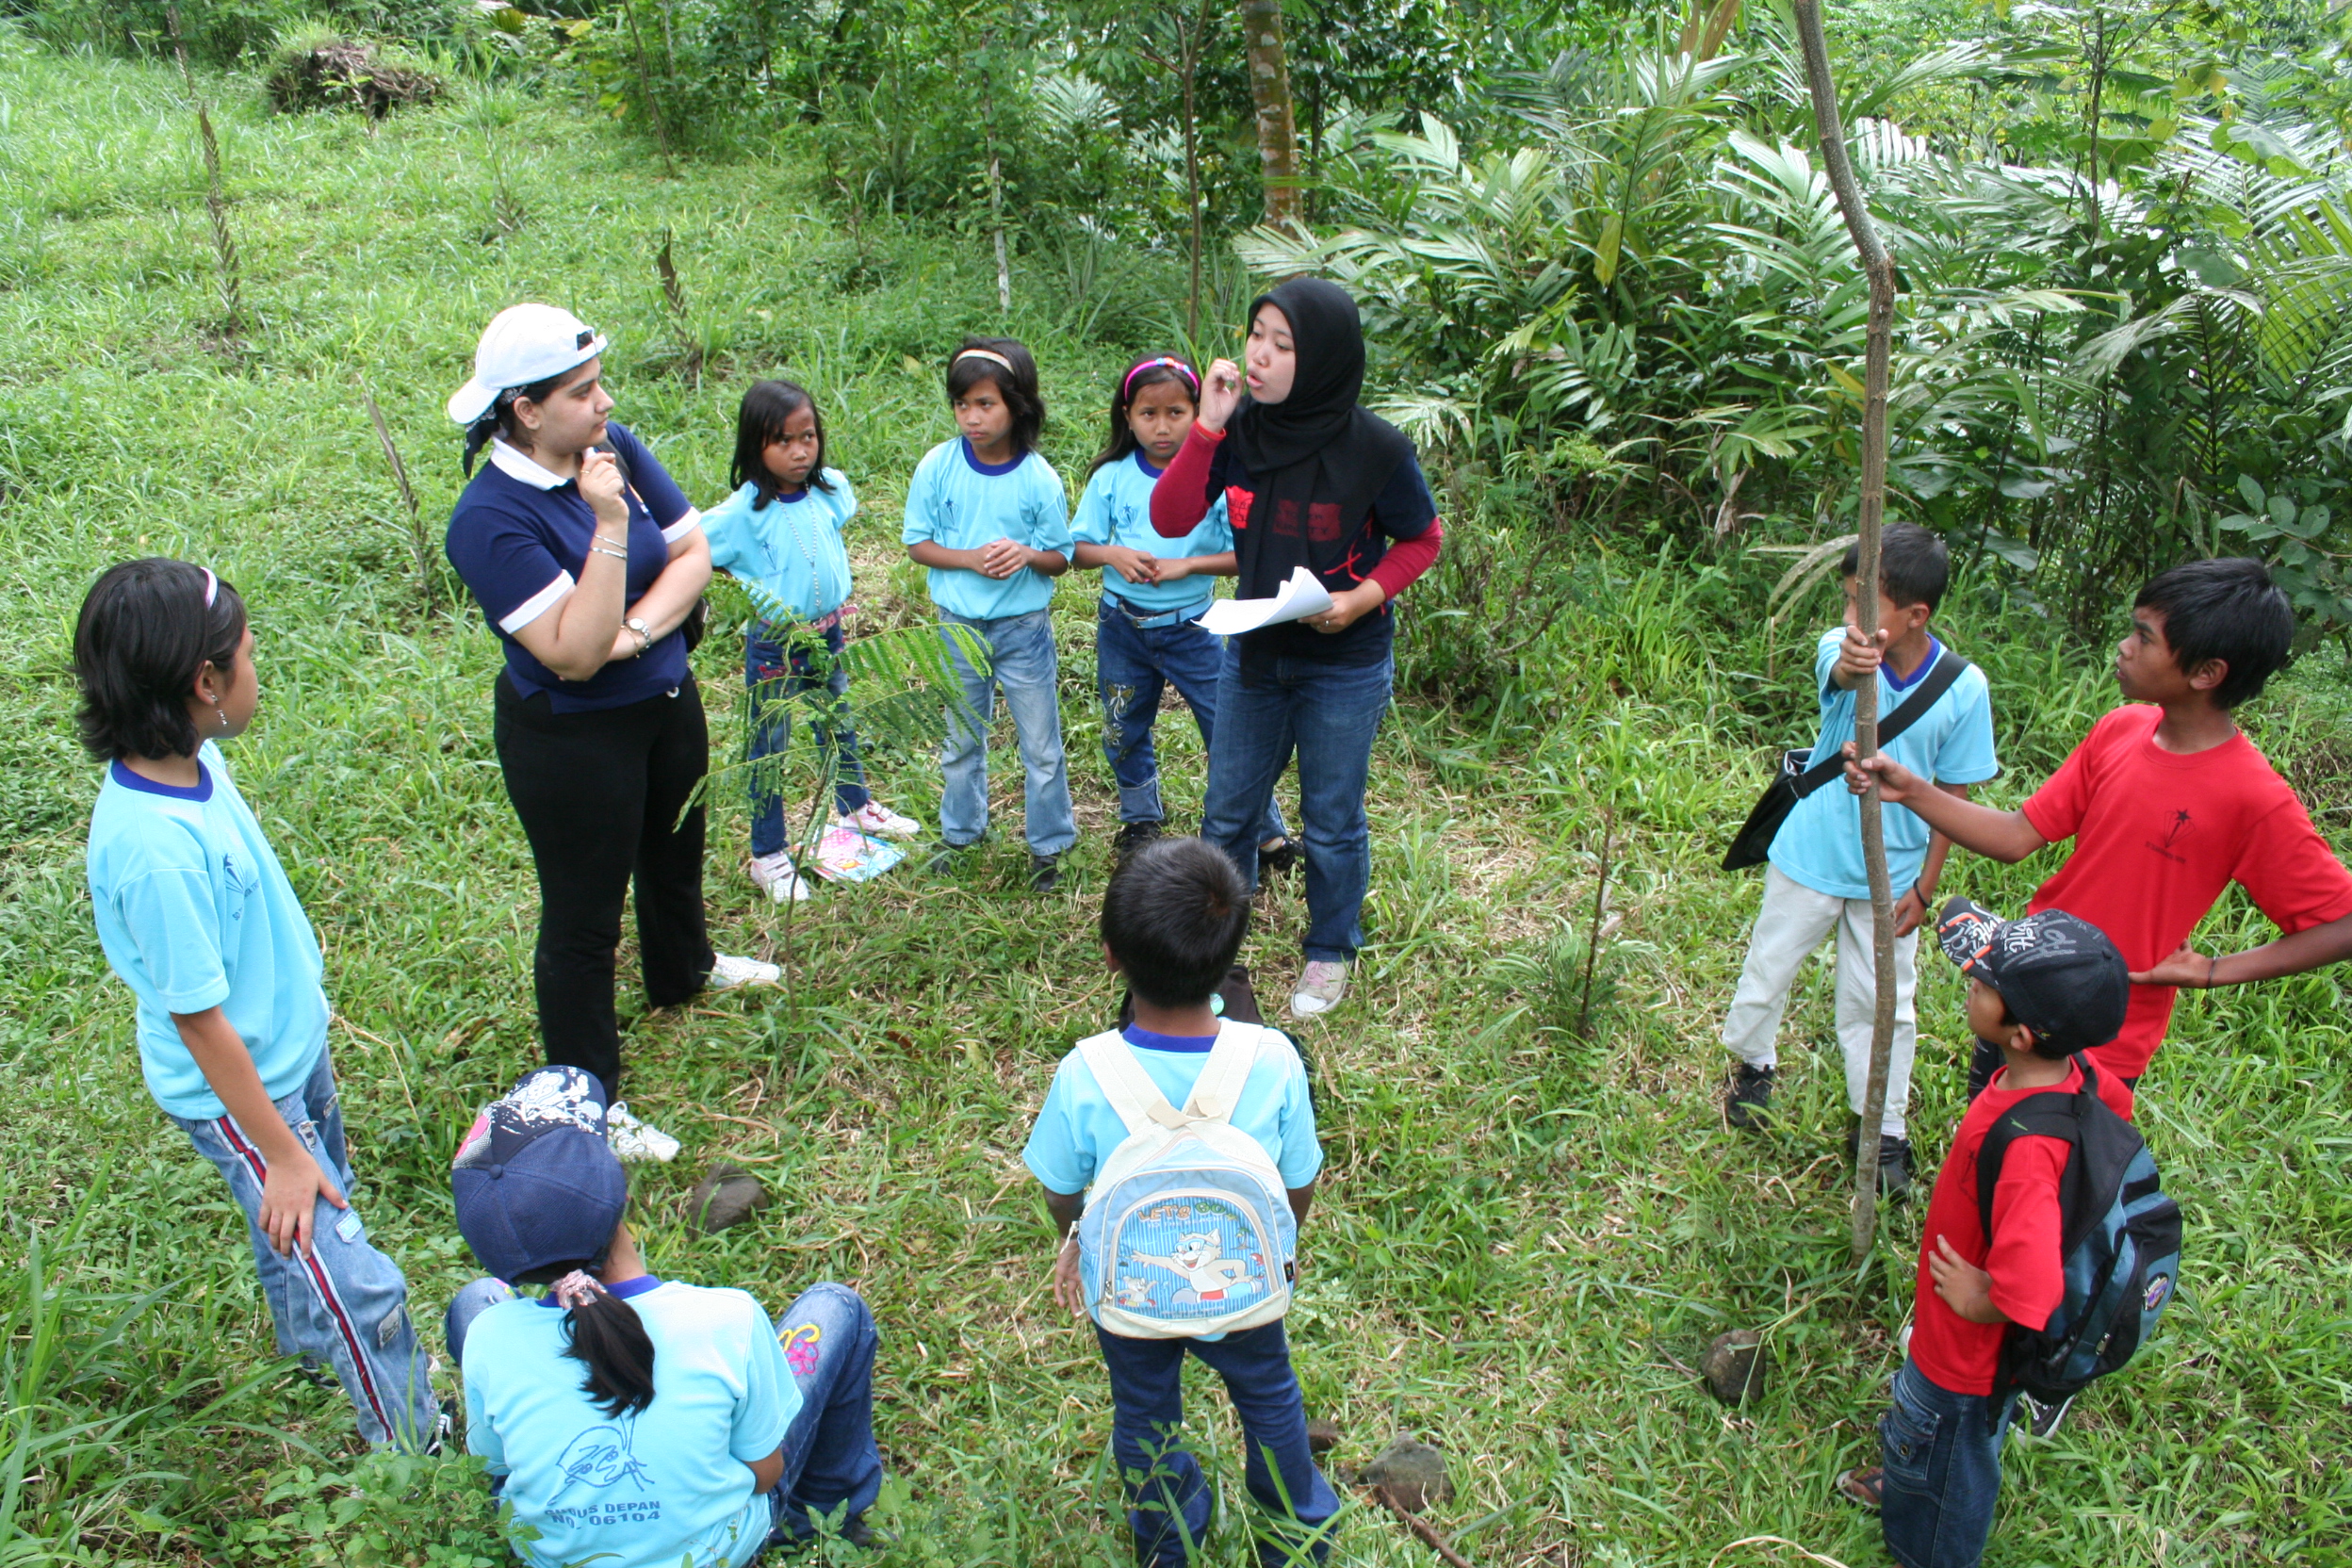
644	634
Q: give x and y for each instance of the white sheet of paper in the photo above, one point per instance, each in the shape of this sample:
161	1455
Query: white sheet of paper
1301	597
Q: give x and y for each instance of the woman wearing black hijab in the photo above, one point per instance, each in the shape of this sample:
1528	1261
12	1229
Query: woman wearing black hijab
1310	478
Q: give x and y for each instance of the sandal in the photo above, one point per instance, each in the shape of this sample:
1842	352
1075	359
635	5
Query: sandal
1863	1488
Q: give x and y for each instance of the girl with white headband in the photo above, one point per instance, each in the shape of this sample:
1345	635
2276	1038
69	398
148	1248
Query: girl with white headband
988	515
197	918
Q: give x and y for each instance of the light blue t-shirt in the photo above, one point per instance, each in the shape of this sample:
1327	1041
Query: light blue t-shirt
667	1487
1820	842
1077	1129
964	503
787	554
1116	509
195	912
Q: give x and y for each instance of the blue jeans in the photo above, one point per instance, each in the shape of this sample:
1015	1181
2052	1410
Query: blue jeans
1328	714
346	1305
1941	1452
1133	667
777	666
1168	1499
829	1454
1020	659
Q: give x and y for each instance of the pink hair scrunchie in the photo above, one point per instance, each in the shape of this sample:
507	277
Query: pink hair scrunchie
576	1289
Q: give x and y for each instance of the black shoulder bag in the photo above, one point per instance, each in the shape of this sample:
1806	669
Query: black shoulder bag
1754	842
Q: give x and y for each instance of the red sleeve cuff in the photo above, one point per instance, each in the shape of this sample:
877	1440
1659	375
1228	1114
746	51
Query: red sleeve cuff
1408	558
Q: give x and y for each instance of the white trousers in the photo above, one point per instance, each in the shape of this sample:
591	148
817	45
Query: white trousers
1788	928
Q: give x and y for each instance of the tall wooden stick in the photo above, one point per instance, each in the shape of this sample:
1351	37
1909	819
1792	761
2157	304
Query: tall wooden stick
1878	266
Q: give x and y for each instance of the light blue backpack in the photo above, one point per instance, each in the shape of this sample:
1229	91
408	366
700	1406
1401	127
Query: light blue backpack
1188	1229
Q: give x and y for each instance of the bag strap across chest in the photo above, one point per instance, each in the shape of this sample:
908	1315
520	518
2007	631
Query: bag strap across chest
1127	1084
1949	668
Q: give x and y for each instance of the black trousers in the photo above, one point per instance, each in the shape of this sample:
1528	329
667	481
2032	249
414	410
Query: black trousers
599	795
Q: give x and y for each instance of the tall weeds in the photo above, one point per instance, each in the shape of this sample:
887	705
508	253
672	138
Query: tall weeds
229	271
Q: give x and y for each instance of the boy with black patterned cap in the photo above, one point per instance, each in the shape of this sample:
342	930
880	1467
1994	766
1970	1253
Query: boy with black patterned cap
2041	991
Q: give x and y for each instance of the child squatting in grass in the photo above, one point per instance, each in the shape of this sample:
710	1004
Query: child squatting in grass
987	514
2042	992
1205	1276
1816	884
632	1421
2167	804
780	535
197	918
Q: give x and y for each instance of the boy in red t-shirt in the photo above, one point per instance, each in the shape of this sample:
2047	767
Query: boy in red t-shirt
2041	989
2167	804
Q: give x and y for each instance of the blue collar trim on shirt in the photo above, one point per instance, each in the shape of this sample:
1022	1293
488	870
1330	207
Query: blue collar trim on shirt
200	790
797	496
1934	651
992	469
1197	1045
623	1291
1145	464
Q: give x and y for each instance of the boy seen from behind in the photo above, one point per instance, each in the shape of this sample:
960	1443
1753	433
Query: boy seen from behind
2042	992
1166	1275
1816	884
2169	804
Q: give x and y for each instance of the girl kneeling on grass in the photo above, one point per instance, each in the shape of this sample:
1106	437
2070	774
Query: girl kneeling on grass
780	534
635	1422
1154	589
197	917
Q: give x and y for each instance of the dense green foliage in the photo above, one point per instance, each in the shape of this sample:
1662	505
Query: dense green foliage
1525	1234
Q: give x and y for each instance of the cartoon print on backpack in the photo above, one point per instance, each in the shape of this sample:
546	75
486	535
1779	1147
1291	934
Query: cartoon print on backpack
1198	1259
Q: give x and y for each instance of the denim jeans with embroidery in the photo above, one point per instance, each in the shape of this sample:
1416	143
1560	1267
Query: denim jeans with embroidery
1021	662
1327	715
1168	1499
1941	1453
345	1305
1134	666
777	666
830	1458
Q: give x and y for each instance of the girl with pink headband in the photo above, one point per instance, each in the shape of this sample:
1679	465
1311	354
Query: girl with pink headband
1154	589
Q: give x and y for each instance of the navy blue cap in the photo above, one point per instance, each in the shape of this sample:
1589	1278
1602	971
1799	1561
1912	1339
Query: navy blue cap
534	1180
2057	973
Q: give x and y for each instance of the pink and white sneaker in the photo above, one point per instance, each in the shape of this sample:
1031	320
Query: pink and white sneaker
877	820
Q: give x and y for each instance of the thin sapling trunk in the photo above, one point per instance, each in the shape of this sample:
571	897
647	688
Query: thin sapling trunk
1878	267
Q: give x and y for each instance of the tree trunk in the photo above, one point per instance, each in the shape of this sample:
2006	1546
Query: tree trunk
1269	94
1878	267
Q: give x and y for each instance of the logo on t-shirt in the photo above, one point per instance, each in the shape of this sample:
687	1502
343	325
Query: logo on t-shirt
2179	825
240	887
601	1457
1323	521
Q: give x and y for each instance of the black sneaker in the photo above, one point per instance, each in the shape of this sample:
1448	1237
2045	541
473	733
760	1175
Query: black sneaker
1280	857
944	858
1133	836
2039	1418
1894	1158
1045	872
1750	1101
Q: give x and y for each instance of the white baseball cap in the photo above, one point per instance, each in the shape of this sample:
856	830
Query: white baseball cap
521	345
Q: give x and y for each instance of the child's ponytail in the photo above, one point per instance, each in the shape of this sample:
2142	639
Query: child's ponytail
610	1339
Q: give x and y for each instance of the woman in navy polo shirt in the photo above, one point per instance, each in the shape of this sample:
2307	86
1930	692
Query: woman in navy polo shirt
586	560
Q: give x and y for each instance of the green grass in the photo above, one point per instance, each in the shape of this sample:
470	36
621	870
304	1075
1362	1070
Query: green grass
1523	1239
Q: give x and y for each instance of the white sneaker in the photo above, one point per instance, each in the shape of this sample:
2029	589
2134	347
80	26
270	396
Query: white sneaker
632	1139
729	972
1321	983
877	820
776	875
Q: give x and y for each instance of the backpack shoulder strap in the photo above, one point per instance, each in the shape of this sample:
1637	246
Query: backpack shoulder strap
1949	668
2051	1115
1218	1090
1126	1083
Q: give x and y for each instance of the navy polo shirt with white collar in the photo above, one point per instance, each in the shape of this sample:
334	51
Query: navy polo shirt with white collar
520	537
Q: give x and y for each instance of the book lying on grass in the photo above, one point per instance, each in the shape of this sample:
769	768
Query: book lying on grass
1301	597
845	855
